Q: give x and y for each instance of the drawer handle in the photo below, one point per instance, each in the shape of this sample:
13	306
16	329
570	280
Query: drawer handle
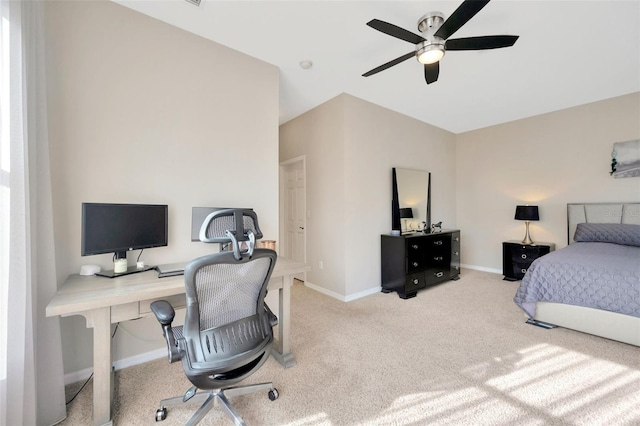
524	271
456	253
415	281
415	246
437	258
439	274
524	256
457	268
438	242
457	239
415	264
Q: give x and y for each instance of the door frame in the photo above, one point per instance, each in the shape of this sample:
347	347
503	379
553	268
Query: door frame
282	203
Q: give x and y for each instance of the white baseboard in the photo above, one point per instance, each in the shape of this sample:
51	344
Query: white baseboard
324	291
374	290
482	268
84	374
361	294
77	376
341	297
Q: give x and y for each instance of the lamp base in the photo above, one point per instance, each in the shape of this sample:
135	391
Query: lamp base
527	238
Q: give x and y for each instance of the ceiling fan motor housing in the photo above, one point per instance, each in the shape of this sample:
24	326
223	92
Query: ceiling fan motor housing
430	22
433	48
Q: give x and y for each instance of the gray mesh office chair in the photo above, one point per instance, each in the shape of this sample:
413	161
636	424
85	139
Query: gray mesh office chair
228	329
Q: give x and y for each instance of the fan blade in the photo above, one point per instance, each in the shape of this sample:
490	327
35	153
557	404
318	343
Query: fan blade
389	64
431	72
459	17
481	43
395	31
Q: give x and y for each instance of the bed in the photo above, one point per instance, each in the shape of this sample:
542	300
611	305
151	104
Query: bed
593	284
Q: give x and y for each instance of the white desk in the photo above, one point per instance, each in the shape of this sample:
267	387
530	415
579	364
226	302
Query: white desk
103	301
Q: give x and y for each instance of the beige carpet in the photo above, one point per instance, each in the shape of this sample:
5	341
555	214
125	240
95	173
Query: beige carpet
458	353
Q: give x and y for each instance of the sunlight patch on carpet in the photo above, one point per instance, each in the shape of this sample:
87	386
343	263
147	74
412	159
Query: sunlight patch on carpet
445	407
565	384
319	419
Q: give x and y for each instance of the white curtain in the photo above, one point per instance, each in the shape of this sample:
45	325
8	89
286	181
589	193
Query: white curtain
31	371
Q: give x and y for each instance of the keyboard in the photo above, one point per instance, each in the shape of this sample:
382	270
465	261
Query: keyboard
171	269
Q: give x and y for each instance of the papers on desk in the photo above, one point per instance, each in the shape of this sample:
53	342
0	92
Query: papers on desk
171	269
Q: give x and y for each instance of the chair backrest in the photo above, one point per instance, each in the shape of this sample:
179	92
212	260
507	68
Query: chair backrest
232	226
225	304
226	318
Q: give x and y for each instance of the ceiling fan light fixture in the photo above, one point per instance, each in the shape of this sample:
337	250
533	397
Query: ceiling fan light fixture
431	53
434	39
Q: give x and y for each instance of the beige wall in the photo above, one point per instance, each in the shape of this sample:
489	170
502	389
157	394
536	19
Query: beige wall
142	112
548	160
351	146
319	136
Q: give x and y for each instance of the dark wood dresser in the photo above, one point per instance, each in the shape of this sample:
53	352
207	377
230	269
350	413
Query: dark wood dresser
415	261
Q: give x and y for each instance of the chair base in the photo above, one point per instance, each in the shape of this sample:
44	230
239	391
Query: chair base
208	399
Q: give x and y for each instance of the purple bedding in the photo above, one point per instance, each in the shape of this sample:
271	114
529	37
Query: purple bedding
592	274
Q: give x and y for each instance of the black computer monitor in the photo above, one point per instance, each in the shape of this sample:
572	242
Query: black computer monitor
118	228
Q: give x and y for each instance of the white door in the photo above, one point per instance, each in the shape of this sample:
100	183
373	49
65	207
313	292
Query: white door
293	210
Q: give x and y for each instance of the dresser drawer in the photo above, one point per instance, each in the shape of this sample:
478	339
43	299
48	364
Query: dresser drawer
455	241
454	271
435	275
440	246
439	259
415	262
416	254
415	282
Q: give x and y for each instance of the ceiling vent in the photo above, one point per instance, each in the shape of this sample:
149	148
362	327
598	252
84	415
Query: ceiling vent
194	2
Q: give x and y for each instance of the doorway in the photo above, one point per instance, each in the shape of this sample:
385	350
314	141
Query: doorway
293	211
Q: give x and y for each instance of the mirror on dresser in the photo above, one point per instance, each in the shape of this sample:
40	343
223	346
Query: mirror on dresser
411	200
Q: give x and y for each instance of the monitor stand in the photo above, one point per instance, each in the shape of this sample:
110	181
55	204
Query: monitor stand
130	270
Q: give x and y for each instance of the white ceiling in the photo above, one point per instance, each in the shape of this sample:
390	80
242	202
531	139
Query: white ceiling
569	53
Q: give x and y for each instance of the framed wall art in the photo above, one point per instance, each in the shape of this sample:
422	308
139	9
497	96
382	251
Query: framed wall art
625	159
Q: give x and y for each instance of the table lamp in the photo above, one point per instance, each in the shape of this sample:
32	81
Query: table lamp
406	213
527	213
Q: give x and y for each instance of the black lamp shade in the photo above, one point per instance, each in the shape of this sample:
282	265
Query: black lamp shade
527	213
406	213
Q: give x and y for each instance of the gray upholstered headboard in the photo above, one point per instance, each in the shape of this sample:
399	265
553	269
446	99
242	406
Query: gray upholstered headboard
600	213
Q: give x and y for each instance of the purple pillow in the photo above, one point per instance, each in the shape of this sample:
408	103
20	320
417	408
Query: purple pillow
617	233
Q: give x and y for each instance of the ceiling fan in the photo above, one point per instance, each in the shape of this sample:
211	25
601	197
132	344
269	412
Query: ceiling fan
434	41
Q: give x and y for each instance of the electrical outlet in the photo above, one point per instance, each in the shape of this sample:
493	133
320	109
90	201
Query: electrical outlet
321	264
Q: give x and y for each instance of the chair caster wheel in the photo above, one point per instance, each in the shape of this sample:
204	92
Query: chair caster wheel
273	394
161	414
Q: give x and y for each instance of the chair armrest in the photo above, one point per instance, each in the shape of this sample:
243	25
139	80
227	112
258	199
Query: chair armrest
163	311
273	319
165	314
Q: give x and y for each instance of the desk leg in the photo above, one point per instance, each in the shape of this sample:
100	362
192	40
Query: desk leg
282	350
100	320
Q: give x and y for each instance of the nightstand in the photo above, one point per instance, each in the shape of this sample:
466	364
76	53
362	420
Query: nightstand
517	257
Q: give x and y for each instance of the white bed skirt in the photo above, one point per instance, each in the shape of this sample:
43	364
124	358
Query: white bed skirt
620	327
